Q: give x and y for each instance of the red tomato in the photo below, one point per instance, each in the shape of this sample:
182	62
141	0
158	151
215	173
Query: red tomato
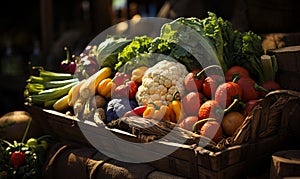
234	71
210	109
192	102
269	86
188	122
248	87
210	85
227	92
213	130
17	159
192	82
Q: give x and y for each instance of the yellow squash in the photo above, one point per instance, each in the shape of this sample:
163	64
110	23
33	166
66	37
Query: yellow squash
88	88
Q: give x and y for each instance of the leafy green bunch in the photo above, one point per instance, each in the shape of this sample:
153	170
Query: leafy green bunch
193	42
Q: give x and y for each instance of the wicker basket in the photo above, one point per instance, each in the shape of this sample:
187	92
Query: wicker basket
262	133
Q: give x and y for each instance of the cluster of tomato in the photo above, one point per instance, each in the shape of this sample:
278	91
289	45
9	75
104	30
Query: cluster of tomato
22	160
216	107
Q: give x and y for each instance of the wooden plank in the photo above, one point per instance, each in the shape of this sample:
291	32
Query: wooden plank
285	164
234	171
159	174
288	59
173	165
46	25
228	157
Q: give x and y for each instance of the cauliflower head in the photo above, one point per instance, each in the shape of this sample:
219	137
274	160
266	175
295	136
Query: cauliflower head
161	81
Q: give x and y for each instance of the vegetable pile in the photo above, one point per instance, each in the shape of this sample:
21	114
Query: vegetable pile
194	83
23	159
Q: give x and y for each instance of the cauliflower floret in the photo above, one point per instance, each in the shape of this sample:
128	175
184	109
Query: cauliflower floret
161	81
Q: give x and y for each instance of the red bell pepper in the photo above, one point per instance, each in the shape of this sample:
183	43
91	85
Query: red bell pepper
138	111
128	90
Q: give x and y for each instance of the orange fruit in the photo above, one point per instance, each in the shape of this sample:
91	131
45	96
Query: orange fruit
231	122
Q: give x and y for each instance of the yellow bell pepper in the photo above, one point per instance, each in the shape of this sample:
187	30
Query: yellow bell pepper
157	111
175	109
105	87
138	73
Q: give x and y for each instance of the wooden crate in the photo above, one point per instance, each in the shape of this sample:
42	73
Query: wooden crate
288	59
262	133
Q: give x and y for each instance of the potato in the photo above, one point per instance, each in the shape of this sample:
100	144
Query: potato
100	101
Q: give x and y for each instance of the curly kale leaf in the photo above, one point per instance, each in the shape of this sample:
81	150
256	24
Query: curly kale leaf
139	45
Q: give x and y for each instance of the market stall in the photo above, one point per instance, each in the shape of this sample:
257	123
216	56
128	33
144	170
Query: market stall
196	100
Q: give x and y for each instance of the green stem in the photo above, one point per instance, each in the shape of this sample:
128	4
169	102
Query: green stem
67	54
44	137
196	124
26	130
156	107
174	96
231	105
260	88
198	75
236	78
8	143
40	68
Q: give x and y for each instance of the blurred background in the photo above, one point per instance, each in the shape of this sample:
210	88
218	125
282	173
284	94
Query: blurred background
35	32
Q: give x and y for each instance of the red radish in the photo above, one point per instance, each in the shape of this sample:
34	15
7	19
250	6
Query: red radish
210	129
193	82
227	92
249	105
269	86
232	72
211	109
210	85
192	102
188	122
250	89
